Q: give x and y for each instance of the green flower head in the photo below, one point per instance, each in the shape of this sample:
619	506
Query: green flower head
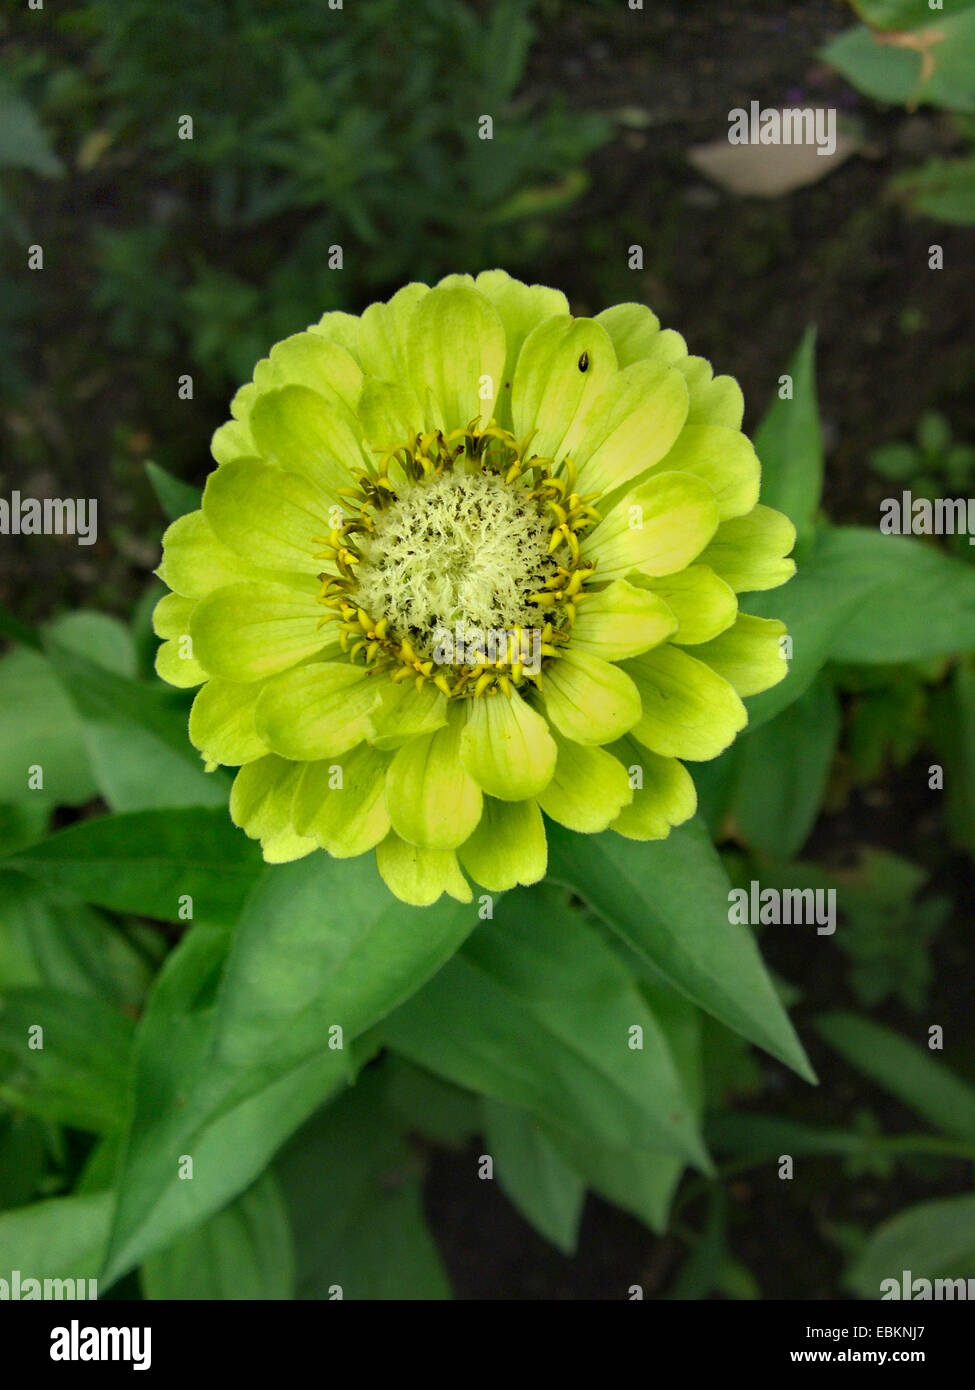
467	559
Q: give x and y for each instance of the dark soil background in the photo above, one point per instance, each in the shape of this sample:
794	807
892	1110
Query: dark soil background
740	278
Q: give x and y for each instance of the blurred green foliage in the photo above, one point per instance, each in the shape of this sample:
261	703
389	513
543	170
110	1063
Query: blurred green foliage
908	54
300	140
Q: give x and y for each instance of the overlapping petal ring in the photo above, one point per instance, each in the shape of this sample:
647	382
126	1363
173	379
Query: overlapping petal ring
466	560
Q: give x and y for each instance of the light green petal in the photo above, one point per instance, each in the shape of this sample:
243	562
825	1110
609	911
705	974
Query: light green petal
522	308
419	876
689	711
316	711
506	747
749	655
171	615
274	519
175	663
589	700
260	803
457	280
345	819
341	328
508	847
589	789
194	561
244	398
747	552
703	604
455	350
658	527
233	441
431	797
621	620
636	335
307	359
666	798
246	631
404	712
303	432
382	334
222	723
390	414
634	423
715	400
550	393
286	846
722	457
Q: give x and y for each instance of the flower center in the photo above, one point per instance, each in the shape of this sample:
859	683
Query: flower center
463	548
461	564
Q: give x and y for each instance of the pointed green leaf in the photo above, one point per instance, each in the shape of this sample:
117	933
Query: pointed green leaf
538	983
321	953
146	862
668	899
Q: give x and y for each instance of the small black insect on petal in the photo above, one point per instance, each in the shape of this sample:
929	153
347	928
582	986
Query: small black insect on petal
584	362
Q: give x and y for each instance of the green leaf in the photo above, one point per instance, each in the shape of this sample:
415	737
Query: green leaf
934	1240
23	143
538	983
23	1159
40	729
784	769
886	73
897	461
641	1183
136	735
766	1136
943	188
702	1271
47	938
644	1184
320	945
147	862
887	929
228	1154
911	1075
62	1238
533	1173
22	824
428	1105
41	726
895	73
905	14
668	899
245	1251
175	497
353	1189
917	602
77	1075
953	724
14	630
790	446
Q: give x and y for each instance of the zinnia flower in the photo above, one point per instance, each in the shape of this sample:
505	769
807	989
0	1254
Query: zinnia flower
467	559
